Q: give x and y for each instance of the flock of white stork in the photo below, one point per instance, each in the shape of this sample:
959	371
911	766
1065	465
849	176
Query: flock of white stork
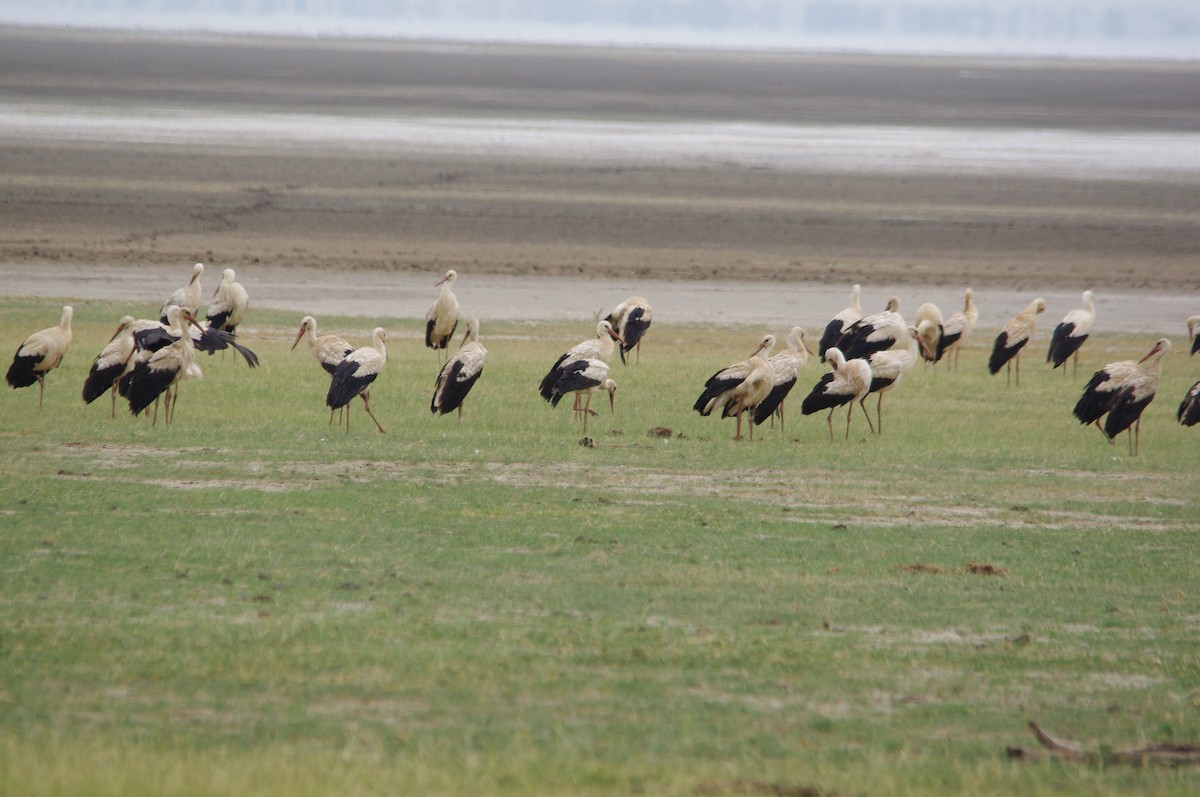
145	360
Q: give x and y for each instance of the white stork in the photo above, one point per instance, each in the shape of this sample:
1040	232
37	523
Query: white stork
459	374
878	332
113	362
1012	338
327	350
229	303
841	322
188	296
584	378
1119	387
848	382
1193	323
153	335
162	370
442	318
740	387
1189	409
598	348
40	353
354	375
1070	334
956	329
929	324
785	367
888	368
631	318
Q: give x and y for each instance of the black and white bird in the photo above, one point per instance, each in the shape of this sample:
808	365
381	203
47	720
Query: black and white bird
848	382
459	374
877	332
929	325
955	331
740	387
1193	323
888	369
151	336
631	318
1012	338
354	375
598	348
228	305
1071	332
327	350
785	367
583	378
40	353
841	322
113	362
1189	409
442	318
187	297
1120	391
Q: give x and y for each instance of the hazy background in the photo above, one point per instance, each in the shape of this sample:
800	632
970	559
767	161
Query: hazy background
1158	29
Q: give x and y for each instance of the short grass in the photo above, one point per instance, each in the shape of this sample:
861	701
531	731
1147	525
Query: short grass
253	602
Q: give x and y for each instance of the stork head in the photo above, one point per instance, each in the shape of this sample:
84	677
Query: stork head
67	314
605	328
611	388
197	270
1038	305
307	323
1160	347
765	345
449	277
918	333
1193	322
124	324
893	304
472	332
835	358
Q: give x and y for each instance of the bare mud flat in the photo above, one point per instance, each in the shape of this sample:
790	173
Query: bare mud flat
345	176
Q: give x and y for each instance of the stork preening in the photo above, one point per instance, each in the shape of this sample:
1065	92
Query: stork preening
40	353
841	322
153	335
1189	409
442	318
631	318
459	374
878	332
888	369
354	375
160	372
1070	334
955	331
929	325
229	303
187	297
740	387
785	368
584	378
1193	323
598	348
1012	338
847	382
113	362
1119	392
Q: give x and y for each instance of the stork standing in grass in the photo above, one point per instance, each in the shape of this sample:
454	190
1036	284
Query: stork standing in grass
877	332
1070	334
584	378
956	329
113	362
848	381
327	350
1126	388
785	367
1189	409
598	348
40	353
1193	323
740	387
459	374
631	318
888	369
188	296
928	321
229	303
1012	338
442	318
354	375
841	322
160	373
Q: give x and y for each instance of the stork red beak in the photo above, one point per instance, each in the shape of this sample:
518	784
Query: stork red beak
616	336
299	335
612	402
439	282
1151	353
118	332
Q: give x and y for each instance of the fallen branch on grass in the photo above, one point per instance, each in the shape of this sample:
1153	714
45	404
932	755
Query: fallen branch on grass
1154	754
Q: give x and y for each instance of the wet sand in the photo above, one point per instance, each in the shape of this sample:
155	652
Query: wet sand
127	158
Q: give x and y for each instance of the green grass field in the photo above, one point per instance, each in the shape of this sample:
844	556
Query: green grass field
253	602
